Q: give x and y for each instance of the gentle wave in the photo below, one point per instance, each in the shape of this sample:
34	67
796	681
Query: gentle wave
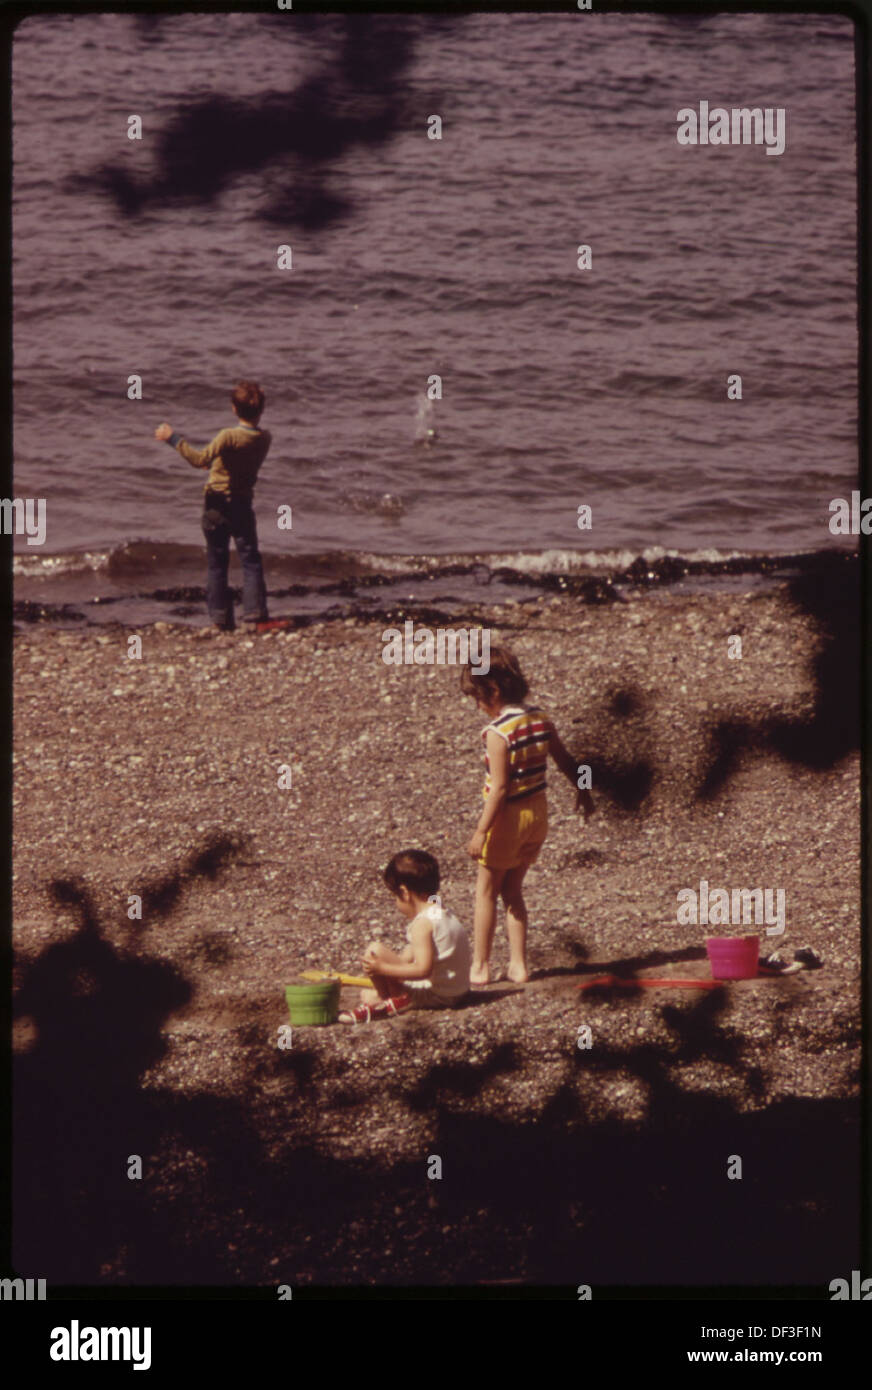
118	586
135	559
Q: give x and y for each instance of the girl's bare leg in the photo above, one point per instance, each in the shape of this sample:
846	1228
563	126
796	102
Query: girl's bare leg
487	888
516	923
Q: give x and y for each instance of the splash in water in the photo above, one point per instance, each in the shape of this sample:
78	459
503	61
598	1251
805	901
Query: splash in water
425	421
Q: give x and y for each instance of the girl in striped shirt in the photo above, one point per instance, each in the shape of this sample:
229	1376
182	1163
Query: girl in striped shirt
514	820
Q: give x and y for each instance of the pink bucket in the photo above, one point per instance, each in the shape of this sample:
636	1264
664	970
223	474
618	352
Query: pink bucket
733	957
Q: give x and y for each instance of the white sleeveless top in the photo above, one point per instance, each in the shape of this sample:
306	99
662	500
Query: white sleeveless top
450	975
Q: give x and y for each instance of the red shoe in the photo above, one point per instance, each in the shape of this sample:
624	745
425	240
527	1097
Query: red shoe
397	1004
370	1013
364	1013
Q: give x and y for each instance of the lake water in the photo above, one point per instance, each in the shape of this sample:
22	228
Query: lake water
413	258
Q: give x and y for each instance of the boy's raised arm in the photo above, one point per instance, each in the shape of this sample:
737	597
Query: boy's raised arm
197	458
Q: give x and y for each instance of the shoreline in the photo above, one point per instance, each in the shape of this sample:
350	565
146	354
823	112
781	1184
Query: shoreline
323	587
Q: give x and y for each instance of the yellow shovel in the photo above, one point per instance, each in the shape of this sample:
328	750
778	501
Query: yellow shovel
337	975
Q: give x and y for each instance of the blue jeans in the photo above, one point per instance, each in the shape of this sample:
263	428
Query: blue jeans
223	517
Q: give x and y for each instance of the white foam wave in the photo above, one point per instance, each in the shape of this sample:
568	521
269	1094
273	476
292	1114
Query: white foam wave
51	566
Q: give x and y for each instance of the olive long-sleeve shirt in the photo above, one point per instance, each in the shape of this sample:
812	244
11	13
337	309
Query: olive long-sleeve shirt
233	458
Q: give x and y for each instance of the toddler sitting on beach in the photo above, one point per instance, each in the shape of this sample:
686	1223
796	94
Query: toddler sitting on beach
433	969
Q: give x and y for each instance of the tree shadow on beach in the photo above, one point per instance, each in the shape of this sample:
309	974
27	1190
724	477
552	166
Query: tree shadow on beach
831	596
627	772
581	1196
240	1190
80	1114
625	763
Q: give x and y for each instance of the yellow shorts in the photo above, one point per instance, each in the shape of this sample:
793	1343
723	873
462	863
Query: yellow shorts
517	835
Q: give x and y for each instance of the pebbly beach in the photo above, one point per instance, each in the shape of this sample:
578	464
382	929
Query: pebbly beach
195	826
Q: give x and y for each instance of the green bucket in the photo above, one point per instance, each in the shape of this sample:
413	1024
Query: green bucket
318	1003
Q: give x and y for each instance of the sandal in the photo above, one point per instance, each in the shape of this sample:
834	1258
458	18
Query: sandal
776	965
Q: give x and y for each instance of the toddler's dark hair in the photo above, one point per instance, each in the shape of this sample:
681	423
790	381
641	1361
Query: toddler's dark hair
504	677
249	400
414	869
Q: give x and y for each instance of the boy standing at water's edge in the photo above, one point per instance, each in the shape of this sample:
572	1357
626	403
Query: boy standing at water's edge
233	458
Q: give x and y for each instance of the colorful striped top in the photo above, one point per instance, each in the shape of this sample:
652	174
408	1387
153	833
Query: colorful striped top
527	732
